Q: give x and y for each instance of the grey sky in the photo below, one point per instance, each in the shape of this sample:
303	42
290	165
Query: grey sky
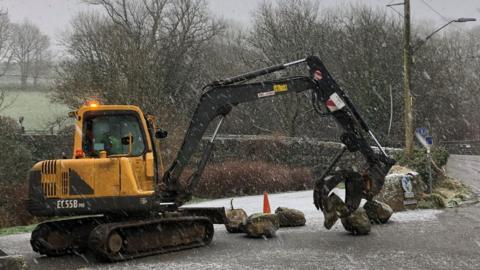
53	16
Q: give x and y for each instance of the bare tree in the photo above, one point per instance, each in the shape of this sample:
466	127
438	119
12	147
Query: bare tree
41	63
5	51
5	43
283	32
27	43
145	52
2	100
157	54
357	44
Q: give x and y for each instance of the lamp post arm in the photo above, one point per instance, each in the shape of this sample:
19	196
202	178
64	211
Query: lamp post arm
420	44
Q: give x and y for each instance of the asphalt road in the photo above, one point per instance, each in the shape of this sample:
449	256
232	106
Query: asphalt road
427	239
466	168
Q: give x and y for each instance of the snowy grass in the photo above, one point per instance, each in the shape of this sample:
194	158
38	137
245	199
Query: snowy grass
34	106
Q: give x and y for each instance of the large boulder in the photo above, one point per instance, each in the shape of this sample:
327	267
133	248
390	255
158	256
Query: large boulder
378	212
333	209
259	225
290	217
357	223
393	193
13	262
236	220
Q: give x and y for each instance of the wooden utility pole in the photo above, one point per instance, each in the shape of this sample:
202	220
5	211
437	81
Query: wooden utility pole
407	61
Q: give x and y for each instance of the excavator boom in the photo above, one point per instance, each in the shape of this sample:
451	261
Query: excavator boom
219	101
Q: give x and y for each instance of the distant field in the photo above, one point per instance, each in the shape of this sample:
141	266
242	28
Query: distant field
34	106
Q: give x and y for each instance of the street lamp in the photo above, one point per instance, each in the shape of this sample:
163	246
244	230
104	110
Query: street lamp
407	61
459	20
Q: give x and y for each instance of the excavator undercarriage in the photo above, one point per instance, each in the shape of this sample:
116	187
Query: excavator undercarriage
115	239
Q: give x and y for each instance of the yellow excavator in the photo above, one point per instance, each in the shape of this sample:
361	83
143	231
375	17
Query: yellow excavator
121	205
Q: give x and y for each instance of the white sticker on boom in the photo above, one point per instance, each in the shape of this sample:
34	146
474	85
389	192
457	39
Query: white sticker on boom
335	102
266	94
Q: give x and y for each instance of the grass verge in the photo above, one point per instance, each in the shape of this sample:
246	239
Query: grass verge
17	229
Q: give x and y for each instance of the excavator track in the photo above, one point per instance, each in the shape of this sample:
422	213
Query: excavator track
57	238
121	240
131	239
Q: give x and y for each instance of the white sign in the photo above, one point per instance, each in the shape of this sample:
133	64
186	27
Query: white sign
266	94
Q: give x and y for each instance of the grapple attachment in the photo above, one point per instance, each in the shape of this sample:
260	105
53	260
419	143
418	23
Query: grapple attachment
331	205
329	99
357	187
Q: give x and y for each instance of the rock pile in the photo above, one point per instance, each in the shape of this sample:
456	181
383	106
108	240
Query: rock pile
263	225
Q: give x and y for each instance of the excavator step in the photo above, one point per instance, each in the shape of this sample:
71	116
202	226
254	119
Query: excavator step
215	214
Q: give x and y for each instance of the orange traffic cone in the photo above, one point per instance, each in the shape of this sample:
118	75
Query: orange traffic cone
266	204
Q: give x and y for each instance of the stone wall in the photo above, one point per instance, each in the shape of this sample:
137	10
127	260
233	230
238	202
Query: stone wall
301	152
282	150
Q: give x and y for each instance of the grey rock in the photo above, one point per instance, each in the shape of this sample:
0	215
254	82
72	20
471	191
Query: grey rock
378	212
13	262
357	223
259	225
236	220
289	217
392	192
333	209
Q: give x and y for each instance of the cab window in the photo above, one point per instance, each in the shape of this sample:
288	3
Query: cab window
110	133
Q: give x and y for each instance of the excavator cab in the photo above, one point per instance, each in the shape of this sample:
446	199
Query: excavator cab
113	167
116	134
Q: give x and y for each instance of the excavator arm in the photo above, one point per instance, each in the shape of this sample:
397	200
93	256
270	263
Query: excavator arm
327	99
218	101
358	185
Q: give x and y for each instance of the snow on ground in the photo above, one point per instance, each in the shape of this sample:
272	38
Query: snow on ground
300	244
303	201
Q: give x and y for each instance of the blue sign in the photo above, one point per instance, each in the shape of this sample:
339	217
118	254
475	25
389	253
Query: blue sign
429	140
423	137
422	131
